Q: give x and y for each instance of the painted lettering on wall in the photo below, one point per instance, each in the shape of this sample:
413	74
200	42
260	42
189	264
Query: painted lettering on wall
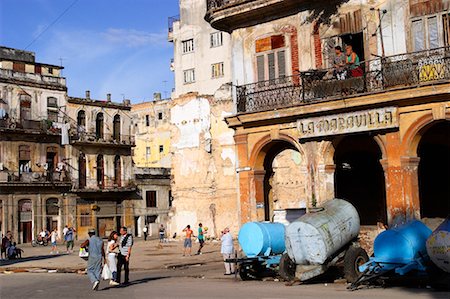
359	121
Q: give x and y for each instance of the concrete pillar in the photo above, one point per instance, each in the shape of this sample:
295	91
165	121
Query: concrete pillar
258	185
410	167
326	183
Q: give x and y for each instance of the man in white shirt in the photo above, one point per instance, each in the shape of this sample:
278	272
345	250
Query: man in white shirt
227	250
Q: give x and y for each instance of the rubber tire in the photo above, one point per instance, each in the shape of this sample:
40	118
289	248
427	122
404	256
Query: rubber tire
354	257
34	243
287	268
45	243
247	273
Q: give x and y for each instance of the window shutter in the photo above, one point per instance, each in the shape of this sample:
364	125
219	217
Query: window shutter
271	62
418	35
433	35
281	64
260	67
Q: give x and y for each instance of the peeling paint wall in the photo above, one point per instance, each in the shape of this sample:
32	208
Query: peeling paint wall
204	184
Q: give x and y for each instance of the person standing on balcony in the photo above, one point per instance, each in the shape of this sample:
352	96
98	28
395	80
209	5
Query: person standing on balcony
353	62
339	64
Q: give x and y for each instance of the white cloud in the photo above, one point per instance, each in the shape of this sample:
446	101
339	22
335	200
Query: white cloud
134	38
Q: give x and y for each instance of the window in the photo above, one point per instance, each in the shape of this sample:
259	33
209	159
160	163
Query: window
270	58
25	107
160	115
187	46
99	126
147	120
116	128
85	216
189	76
81	120
217	70
216	39
50	70
150	197
428	34
100	172
170	198
148	152
161	148
52	109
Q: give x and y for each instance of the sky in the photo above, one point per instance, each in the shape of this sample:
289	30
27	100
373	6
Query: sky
105	46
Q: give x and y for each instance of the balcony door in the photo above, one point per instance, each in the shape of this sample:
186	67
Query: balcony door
81	171
99	126
100	172
270	55
116	128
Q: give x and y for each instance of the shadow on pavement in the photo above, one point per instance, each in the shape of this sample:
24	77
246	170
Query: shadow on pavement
28	259
135	282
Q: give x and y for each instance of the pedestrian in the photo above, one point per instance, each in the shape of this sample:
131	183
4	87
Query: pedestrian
339	64
6	243
65	230
162	233
353	62
201	238
96	256
54	237
227	250
123	259
68	238
112	249
145	230
188	240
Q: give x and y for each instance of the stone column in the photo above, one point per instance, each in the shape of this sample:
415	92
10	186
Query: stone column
410	167
326	183
244	178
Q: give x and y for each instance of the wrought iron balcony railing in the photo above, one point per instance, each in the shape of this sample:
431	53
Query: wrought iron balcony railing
110	139
41	126
35	177
378	75
217	4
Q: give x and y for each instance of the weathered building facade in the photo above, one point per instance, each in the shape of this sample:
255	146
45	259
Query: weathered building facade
378	137
34	177
101	141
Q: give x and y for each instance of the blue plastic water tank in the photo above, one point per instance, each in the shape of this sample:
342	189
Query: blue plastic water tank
402	244
256	238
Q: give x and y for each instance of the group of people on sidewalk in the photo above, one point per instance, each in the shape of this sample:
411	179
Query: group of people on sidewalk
9	249
118	252
227	247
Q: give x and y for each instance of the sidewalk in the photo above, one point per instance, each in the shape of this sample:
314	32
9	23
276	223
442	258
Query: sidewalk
146	255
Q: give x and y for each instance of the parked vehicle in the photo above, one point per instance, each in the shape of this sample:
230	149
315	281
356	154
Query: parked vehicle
40	242
321	239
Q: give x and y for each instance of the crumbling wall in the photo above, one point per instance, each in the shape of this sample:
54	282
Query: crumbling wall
203	183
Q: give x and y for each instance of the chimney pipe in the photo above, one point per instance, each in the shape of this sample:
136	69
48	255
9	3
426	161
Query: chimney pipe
108	97
88	95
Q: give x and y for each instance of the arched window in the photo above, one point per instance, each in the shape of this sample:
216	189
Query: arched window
25	107
116	128
81	119
100	172
99	126
117	171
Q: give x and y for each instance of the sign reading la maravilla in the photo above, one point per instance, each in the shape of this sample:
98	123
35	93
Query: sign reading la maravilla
351	122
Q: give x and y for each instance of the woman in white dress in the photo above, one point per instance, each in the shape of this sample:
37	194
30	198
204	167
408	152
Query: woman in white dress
112	249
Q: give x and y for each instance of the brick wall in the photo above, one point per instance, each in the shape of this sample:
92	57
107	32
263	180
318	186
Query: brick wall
317	46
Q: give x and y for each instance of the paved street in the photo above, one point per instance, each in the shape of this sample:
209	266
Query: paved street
162	272
169	284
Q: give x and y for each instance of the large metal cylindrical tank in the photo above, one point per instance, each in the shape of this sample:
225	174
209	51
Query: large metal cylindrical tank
314	237
438	246
262	238
402	244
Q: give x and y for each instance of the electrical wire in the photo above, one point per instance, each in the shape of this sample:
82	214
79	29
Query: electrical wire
51	24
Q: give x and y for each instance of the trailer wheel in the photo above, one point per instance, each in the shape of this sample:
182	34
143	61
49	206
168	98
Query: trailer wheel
354	257
247	271
287	268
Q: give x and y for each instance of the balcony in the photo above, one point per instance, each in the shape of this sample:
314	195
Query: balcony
58	83
380	75
15	179
29	130
228	15
109	140
171	21
108	192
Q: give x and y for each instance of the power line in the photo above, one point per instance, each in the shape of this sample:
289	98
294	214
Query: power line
52	23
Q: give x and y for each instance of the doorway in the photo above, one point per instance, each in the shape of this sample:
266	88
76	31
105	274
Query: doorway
434	171
359	177
25	221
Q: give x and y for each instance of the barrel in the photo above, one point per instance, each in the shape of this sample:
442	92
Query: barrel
314	237
403	244
262	238
438	246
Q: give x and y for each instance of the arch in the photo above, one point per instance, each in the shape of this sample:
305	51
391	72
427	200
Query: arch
25	218
81	119
415	131
260	149
100	172
359	176
117	171
116	128
99	126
